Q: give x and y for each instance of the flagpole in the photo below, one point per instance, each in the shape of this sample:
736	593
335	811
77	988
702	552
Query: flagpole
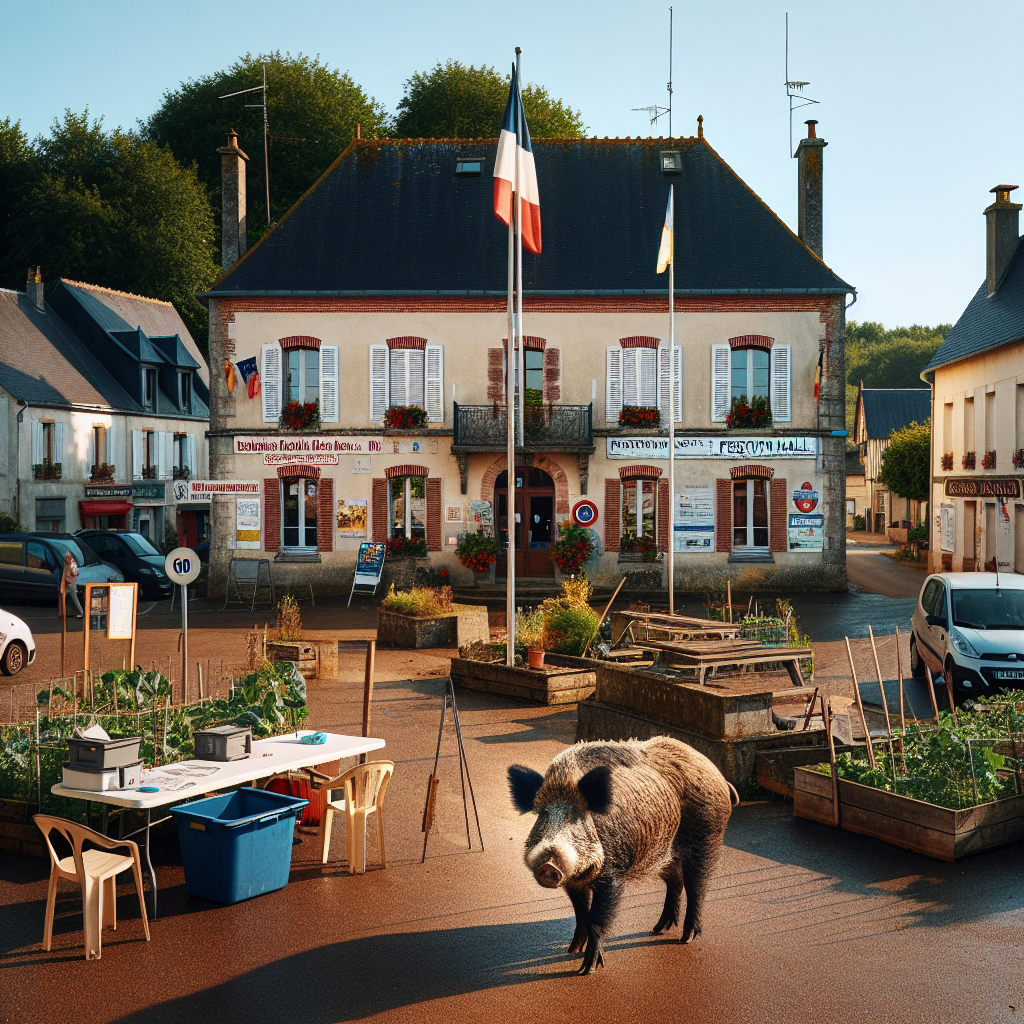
520	120
510	413
672	405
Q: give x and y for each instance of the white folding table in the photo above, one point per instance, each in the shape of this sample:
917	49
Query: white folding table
268	757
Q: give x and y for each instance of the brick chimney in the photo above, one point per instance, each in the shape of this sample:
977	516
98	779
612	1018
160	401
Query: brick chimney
232	202
1002	232
34	286
809	158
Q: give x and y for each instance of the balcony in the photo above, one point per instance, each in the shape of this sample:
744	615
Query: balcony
548	428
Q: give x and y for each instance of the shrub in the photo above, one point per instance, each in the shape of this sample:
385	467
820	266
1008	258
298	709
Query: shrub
573	547
569	623
859	523
918	533
477	551
529	630
289	619
421	602
8	524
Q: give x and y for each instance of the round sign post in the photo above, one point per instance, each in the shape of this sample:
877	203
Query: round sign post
182	567
584	513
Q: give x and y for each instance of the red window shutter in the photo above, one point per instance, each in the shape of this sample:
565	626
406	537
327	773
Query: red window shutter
271	514
552	375
663	515
778	522
723	515
433	513
379	512
612	514
495	375
325	514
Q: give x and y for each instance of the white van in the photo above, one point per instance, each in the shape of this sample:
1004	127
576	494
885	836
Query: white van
969	629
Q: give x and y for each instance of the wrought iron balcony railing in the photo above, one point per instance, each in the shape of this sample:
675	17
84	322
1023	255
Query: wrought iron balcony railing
562	427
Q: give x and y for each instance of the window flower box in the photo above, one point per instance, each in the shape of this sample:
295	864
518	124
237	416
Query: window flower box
969	461
47	470
101	473
149	472
756	415
405	417
1018	459
182	473
988	460
301	416
406	547
640	416
644	548
947	460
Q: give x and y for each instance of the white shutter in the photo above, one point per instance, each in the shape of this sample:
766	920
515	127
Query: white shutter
415	361
613	394
398	382
136	454
434	386
781	404
111	456
720	357
329	384
663	378
165	455
677	403
630	385
647	376
38	443
378	382
93	452
190	455
58	445
270	382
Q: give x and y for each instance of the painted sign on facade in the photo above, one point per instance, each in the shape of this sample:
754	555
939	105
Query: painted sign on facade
307	445
200	490
309	460
717	446
693	529
361	465
351	517
247	524
978	487
806	533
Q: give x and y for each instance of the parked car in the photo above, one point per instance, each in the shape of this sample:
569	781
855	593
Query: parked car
971	630
31	565
135	556
17	646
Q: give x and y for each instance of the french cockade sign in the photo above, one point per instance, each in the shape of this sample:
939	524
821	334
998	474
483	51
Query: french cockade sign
584	513
805	498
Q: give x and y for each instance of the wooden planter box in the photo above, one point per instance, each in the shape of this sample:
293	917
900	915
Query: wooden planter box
938	832
464	624
548	685
317	659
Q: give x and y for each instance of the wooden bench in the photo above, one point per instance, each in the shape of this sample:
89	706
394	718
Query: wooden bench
705	662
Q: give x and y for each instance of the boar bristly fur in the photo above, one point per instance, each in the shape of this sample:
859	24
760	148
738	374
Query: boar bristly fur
609	813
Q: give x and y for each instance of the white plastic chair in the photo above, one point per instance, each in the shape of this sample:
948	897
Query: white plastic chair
96	872
364	787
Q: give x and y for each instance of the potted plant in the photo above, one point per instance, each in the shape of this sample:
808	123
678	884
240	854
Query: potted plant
405	417
1018	459
182	473
101	472
573	547
301	416
477	551
988	460
646	417
646	547
47	470
968	461
947	460
756	414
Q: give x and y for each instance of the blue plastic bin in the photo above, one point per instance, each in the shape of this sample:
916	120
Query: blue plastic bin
237	845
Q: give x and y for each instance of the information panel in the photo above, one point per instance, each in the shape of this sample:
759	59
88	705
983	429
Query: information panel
806	532
694	526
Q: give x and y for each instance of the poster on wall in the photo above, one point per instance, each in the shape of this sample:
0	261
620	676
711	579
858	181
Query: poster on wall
480	513
693	527
247	524
806	532
351	517
947	527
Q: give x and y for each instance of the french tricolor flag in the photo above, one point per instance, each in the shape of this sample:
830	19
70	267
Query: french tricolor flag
514	145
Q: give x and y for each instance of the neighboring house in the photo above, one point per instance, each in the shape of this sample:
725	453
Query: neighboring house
384	287
103	403
977	379
880	411
857	501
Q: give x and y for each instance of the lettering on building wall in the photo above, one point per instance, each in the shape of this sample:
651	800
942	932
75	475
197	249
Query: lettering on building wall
970	487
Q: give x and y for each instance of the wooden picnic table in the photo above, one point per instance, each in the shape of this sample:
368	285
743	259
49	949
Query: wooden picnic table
705	661
643	626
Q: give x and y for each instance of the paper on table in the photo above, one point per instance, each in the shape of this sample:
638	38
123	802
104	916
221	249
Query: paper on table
94	732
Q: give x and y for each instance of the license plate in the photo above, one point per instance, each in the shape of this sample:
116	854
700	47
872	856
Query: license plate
1010	673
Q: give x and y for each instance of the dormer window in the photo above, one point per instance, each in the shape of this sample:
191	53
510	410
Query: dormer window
469	167
149	388
185	392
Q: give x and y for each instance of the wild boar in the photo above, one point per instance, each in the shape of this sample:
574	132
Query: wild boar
611	812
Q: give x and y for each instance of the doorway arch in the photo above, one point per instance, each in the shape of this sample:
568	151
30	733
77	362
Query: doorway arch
535	524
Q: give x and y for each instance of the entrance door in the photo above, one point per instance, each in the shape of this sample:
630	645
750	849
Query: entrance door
970	536
299	513
534	522
749	514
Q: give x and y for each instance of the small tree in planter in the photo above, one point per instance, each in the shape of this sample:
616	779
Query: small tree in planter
573	547
755	414
405	417
477	551
640	416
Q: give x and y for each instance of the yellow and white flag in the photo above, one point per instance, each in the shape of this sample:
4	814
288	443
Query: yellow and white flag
665	249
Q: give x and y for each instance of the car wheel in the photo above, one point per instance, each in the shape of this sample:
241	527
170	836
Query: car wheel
916	664
13	660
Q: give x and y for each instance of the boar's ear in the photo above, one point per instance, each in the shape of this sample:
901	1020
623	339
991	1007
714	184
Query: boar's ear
523	784
596	788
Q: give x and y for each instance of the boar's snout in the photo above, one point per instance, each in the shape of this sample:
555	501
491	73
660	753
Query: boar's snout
549	875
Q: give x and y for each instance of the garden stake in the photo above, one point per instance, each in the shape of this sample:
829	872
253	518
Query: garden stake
371	650
12	705
931	693
881	683
949	692
899	680
826	714
860	707
604	614
810	710
728	597
199	670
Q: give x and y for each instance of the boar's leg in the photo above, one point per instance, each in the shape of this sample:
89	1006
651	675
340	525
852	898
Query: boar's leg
697	862
603	908
580	897
672	876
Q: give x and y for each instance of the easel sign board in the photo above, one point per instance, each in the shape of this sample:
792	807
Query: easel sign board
369	566
111	608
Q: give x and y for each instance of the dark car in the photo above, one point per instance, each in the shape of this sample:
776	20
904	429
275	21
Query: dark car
31	565
134	555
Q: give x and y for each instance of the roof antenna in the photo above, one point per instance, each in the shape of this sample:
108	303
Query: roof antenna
657	111
794	91
266	129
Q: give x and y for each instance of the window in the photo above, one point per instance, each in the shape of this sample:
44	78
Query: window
638	375
299	369
748	376
469	167
149	389
152	454
639	508
407	507
404	372
47	450
298	512
99	447
750	513
851	506
50	514
302	375
750	367
185	392
184	456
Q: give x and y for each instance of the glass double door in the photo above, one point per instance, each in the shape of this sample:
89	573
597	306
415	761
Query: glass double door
534	522
749	514
299	513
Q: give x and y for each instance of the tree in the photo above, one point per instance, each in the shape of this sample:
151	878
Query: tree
906	461
457	102
110	209
312	111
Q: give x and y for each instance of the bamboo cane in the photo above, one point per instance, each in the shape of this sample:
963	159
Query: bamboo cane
826	714
931	692
604	614
860	706
903	715
881	683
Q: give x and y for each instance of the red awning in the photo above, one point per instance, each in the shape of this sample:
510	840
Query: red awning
105	508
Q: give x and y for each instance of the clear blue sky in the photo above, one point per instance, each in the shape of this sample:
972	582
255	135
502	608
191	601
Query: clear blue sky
918	100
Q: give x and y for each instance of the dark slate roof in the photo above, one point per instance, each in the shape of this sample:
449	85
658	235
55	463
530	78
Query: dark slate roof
889	409
854	467
987	322
390	216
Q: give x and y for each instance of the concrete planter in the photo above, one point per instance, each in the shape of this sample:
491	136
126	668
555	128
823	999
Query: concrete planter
938	832
463	625
317	659
550	684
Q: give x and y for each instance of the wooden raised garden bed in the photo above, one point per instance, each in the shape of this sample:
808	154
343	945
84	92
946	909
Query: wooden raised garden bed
464	624
938	832
550	684
316	659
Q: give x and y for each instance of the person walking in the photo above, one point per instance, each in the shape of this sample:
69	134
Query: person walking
69	581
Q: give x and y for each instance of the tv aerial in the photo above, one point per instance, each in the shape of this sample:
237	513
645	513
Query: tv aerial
655	111
794	91
266	128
